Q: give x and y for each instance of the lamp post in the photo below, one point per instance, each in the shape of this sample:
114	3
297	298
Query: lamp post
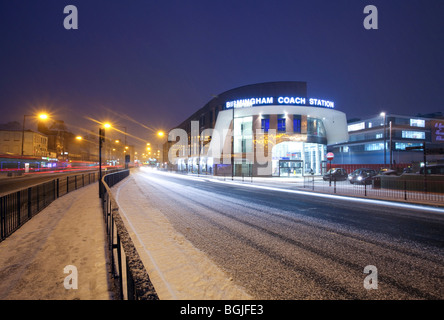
42	116
232	147
390	145
125	147
382	114
160	135
101	141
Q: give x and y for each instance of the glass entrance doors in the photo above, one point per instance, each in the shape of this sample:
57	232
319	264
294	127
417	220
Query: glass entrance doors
290	168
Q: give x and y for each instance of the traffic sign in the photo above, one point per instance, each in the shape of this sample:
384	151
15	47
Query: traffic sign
330	156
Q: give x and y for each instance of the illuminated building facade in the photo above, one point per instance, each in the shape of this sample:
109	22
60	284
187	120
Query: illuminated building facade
391	140
265	129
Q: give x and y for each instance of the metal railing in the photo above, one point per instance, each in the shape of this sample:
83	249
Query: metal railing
127	268
18	207
403	189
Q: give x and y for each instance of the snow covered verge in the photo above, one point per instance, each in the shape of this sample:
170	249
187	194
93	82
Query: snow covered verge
69	232
177	269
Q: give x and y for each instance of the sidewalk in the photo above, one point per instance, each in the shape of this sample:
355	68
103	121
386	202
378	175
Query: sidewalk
70	231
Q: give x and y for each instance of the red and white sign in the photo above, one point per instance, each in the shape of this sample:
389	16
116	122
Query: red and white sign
330	156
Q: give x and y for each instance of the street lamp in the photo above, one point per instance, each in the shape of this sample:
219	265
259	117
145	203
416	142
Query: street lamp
42	116
382	114
101	141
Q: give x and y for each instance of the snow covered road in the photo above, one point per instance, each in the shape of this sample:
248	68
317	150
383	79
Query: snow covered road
202	239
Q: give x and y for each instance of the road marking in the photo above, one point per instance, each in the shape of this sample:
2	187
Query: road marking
314	194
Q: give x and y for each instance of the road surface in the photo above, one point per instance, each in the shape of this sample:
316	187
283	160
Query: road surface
289	245
11	184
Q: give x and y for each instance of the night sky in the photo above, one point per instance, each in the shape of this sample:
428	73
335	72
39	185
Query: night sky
150	64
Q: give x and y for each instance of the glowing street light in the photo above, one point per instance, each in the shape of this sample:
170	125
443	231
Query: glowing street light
160	133
78	138
43	116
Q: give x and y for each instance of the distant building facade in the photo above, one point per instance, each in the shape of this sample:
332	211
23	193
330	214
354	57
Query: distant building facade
34	143
399	143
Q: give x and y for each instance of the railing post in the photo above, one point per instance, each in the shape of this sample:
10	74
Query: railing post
38	198
18	208
29	202
2	218
405	190
119	261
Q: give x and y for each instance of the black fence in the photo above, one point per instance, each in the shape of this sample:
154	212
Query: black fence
406	188
126	266
18	207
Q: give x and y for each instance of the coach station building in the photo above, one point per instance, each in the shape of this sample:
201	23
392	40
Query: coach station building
265	129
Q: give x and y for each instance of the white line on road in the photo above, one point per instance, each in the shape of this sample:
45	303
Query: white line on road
314	194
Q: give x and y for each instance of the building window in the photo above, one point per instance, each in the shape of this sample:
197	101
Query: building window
374	146
413	134
403	145
417	123
281	125
315	127
356	126
243	134
379	136
297	124
265	124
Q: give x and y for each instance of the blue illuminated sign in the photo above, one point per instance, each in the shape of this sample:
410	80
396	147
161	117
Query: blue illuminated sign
300	101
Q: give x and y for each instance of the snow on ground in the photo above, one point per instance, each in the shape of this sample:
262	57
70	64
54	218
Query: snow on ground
70	231
176	268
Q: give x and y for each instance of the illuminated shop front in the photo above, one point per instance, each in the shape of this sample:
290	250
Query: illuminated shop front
270	129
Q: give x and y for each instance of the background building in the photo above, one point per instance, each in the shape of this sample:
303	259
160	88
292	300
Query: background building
11	136
386	140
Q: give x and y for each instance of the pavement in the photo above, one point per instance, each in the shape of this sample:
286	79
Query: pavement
60	254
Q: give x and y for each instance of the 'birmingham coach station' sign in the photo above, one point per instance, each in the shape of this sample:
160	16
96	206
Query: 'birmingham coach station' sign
251	102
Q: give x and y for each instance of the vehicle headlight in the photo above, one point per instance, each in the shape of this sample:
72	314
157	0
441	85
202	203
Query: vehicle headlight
359	178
